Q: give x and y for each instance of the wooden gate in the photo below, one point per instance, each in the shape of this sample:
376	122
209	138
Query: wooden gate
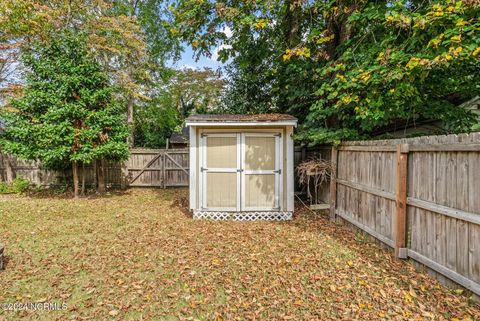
158	167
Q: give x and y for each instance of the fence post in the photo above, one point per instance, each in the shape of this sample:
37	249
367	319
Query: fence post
401	202
333	184
304	154
164	177
124	178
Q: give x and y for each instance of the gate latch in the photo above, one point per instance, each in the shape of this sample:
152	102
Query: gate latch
279	171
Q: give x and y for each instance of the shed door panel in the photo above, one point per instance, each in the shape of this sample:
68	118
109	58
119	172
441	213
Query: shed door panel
220	174
259	153
260	191
261	172
221	190
221	152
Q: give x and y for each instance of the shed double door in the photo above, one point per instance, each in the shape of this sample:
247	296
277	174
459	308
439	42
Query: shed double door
241	171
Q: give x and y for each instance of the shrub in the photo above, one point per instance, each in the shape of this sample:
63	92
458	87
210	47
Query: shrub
18	185
3	187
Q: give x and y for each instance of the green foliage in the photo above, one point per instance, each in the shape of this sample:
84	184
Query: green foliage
68	112
116	38
247	93
17	186
155	122
184	91
403	62
153	17
153	116
194	90
346	69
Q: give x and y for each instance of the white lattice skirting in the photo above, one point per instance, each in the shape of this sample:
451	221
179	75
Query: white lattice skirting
243	216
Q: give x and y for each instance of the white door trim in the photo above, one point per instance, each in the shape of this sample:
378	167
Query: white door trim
240	170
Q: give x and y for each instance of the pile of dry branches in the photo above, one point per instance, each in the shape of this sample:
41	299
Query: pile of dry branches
320	170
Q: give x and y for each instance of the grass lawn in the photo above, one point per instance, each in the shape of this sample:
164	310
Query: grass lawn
137	256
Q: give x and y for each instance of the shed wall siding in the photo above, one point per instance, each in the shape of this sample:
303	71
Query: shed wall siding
289	191
193	178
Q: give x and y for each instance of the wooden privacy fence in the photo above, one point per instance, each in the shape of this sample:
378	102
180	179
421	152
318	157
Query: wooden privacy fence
420	196
30	170
145	167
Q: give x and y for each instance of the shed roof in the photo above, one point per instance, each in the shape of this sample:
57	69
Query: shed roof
228	119
180	137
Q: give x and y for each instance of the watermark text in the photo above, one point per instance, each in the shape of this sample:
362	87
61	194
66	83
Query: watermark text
33	306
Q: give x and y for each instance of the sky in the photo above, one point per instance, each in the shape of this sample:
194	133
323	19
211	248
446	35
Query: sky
188	60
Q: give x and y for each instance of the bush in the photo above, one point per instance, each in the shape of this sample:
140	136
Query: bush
18	185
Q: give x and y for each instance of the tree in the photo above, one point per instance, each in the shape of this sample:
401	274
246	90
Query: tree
394	62
260	32
186	91
155	121
152	17
67	114
116	38
196	91
345	68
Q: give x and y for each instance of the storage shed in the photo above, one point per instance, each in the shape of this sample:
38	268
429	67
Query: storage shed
241	166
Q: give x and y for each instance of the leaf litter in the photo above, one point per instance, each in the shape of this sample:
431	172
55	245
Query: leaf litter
137	255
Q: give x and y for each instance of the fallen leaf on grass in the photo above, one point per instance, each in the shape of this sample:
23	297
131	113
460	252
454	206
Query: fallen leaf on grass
113	313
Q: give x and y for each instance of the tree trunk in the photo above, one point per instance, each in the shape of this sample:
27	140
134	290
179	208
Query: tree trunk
124	180
101	176
183	108
10	173
75	179
83	179
291	33
341	29
292	23
94	169
130	139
